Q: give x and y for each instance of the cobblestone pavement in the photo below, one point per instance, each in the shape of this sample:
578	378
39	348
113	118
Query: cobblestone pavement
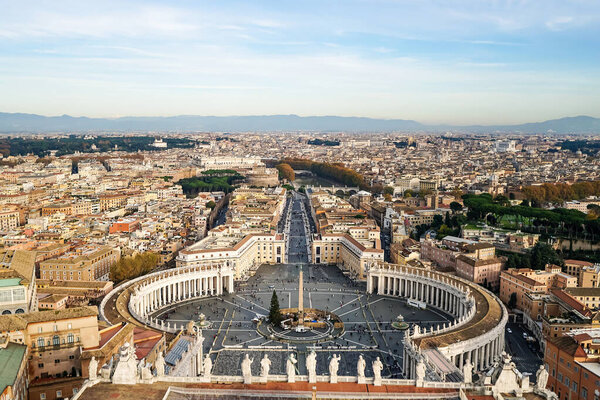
366	320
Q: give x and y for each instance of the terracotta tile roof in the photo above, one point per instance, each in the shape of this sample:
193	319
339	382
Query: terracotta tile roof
571	302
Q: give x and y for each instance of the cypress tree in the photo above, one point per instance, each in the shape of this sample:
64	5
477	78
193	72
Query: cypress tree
274	312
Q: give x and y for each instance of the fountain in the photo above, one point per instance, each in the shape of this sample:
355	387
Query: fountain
399	323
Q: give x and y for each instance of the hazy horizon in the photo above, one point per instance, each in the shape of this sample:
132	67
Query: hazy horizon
457	63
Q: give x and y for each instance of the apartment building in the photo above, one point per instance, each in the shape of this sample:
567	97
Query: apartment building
9	219
573	364
84	263
55	339
525	281
110	201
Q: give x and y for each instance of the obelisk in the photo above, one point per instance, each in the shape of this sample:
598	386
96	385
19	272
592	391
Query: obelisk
301	300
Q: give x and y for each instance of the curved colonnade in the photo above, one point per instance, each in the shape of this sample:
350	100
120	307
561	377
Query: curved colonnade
177	285
476	335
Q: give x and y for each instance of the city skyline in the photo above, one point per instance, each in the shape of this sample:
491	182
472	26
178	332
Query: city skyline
460	63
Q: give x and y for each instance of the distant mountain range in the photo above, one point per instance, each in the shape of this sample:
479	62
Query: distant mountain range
20	123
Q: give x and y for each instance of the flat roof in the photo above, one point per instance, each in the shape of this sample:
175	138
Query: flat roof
9	282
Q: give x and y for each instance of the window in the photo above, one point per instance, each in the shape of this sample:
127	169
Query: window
57	361
41	365
584	393
58	394
40	342
70	338
575	386
42	396
56	340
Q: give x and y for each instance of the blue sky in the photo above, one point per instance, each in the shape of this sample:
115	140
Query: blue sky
435	61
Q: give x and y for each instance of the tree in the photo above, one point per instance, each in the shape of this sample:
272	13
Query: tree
286	171
502	200
387	197
512	302
438	220
447	219
455	206
543	254
274	311
388	190
211	204
132	267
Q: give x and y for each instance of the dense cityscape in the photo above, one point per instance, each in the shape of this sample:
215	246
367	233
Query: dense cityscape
455	259
358	199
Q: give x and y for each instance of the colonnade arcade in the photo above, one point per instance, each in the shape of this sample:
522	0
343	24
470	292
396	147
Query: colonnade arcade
473	337
177	285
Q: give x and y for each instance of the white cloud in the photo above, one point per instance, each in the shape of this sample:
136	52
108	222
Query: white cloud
559	23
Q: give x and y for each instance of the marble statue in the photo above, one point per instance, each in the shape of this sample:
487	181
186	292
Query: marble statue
360	369
247	368
468	372
290	368
420	370
159	365
126	371
377	368
541	378
190	328
145	372
207	366
265	366
334	365
311	366
93	369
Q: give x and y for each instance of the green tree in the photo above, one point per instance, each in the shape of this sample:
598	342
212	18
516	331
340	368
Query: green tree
543	254
455	206
388	190
274	311
211	204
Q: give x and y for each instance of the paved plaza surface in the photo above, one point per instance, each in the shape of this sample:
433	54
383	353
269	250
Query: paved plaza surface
366	319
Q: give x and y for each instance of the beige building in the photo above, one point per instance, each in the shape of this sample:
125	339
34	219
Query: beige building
245	252
9	219
350	254
55	339
85	263
18	293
